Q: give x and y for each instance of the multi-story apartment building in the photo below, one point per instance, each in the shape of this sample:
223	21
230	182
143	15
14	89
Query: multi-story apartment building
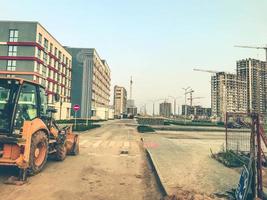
165	109
228	94
90	83
254	73
196	111
120	100
29	51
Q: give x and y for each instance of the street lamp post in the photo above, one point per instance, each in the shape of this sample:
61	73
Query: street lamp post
185	93
154	101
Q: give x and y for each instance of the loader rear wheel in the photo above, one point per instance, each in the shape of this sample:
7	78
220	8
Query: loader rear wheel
38	152
61	152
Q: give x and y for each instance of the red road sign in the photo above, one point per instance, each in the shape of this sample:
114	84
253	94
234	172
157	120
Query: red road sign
76	107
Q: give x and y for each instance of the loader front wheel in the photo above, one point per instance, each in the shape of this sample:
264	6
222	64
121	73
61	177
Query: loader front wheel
38	152
61	151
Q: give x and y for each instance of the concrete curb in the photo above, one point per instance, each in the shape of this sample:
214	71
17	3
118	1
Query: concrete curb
156	170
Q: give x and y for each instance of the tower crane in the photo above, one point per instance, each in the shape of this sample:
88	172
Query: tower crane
208	71
254	47
192	98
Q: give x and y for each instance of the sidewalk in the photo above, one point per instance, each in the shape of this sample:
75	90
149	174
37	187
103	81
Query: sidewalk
185	164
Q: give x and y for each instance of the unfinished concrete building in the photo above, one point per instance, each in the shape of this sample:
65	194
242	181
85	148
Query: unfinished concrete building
253	72
228	94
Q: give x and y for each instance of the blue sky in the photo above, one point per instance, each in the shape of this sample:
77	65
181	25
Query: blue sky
157	42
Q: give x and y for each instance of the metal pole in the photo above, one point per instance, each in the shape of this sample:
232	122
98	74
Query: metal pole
174	107
252	157
75	117
185	109
226	132
259	160
153	109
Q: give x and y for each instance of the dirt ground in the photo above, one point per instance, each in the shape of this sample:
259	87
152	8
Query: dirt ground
100	172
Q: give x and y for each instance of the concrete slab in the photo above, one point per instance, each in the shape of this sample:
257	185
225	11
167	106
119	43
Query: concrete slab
186	164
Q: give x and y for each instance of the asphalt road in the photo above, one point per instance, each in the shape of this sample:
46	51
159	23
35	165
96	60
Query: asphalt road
111	165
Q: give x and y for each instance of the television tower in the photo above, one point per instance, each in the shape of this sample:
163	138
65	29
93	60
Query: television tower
131	87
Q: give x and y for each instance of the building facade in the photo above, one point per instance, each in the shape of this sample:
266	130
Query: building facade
90	84
196	111
253	72
29	51
120	100
228	94
165	109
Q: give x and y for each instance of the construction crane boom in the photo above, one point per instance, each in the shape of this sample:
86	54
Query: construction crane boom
209	71
254	47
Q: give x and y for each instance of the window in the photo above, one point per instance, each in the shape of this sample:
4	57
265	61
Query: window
46	44
12	50
37	69
40	38
27	105
59	56
51	48
55	51
11	65
39	53
45	57
13	35
43	98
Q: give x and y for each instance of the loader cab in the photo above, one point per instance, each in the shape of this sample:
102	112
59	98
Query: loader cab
20	101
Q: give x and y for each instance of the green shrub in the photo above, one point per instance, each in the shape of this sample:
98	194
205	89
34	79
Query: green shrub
194	123
78	121
144	129
84	127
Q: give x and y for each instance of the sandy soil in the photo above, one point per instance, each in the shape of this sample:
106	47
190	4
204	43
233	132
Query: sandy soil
99	172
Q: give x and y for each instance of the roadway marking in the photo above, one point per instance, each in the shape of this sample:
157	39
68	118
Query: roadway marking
111	143
96	144
104	144
126	144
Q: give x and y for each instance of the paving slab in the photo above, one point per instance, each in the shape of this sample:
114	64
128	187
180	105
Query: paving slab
186	164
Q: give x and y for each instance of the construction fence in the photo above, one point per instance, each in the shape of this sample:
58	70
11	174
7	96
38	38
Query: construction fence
238	128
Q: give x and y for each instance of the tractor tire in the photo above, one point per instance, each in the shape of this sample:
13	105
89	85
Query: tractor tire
61	152
38	152
75	150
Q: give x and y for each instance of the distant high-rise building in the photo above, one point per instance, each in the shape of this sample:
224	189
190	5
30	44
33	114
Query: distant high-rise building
120	100
228	94
253	72
90	83
165	109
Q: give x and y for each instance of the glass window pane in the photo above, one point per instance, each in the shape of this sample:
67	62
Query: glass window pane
27	107
16	33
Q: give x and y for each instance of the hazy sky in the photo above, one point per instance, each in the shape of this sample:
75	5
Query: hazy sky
157	42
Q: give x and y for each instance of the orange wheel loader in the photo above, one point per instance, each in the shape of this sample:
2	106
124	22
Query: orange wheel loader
28	132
